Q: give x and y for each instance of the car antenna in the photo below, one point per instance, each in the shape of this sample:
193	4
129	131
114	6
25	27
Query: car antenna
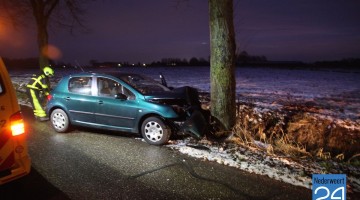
78	65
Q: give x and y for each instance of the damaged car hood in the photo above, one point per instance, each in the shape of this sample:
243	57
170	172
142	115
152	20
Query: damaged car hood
182	95
188	98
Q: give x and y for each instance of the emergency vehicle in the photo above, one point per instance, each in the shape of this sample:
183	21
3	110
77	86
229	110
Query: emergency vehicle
14	158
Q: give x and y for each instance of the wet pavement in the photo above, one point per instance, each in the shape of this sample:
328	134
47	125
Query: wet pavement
96	164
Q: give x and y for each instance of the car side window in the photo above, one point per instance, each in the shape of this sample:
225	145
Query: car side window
80	85
108	87
128	93
103	85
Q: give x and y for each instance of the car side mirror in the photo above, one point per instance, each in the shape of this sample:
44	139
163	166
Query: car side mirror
120	96
163	80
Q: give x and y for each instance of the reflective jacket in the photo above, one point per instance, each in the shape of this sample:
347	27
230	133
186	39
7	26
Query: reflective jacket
38	83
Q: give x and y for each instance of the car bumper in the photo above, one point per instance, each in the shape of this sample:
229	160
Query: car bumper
19	169
195	125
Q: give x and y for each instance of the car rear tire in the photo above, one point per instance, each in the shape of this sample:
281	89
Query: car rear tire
60	120
155	131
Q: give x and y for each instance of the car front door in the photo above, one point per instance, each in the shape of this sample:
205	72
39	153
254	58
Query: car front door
115	112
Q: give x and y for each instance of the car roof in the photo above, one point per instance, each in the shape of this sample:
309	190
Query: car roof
115	74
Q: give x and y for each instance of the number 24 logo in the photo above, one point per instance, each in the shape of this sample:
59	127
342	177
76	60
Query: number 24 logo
342	189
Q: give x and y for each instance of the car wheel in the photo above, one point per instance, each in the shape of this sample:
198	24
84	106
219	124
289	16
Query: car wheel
60	120
155	131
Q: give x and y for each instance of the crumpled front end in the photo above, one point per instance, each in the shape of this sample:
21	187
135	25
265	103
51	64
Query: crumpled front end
196	125
185	103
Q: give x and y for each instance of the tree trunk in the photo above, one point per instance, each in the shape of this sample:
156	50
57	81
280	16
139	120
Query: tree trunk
222	62
41	19
43	45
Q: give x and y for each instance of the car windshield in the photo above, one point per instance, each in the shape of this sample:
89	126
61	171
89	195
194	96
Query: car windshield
144	84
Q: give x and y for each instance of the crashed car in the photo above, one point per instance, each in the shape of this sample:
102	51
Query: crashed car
126	102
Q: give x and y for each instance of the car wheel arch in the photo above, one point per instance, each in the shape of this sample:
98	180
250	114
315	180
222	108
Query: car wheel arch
62	108
155	130
143	118
60	120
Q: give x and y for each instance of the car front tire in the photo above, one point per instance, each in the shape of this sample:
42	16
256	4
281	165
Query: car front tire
60	120
155	131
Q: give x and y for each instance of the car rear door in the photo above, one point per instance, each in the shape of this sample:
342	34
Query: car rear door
80	102
113	112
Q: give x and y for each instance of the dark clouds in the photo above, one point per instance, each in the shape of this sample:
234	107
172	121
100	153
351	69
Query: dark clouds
144	31
299	30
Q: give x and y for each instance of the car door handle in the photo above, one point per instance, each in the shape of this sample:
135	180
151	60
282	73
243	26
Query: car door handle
101	102
68	98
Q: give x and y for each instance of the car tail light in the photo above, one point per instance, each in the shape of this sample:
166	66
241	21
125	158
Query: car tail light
17	124
49	97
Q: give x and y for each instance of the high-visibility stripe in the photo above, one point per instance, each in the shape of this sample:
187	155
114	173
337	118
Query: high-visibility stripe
15	177
7	157
38	110
32	87
37	80
8	162
4	137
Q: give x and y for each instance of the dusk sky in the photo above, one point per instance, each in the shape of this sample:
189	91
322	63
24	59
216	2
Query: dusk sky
146	31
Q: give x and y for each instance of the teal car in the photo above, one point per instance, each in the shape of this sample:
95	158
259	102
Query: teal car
127	103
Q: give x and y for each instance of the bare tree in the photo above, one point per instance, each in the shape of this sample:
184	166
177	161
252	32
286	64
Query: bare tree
222	62
64	13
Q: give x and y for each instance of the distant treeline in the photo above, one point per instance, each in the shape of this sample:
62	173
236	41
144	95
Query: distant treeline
21	63
242	59
346	63
164	62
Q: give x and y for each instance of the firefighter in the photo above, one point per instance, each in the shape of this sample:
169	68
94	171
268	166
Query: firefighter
37	84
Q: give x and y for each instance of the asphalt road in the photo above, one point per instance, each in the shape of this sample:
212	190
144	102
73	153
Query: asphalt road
94	164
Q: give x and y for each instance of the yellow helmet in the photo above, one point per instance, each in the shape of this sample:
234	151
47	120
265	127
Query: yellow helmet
48	71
